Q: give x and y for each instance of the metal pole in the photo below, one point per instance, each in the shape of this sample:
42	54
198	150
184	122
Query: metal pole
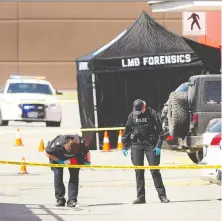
95	110
126	95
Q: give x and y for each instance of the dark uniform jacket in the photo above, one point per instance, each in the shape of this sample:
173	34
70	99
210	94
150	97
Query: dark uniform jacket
56	147
143	130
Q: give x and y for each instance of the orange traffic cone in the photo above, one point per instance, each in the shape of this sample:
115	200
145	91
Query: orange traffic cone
23	168
106	144
41	146
18	139
120	144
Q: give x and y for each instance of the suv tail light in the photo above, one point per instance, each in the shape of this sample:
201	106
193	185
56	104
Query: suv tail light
170	138
216	140
195	118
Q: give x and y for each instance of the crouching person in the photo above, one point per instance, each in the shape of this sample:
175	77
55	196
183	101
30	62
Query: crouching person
67	149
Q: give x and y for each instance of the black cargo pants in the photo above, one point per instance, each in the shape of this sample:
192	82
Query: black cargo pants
73	186
137	157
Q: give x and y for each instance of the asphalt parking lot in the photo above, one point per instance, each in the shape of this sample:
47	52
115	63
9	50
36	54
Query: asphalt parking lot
104	194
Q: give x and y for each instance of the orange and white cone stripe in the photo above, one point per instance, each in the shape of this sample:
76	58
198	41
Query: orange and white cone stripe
106	143
18	139
120	144
23	169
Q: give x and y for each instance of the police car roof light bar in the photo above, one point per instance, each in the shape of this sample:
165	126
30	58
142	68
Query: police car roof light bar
27	77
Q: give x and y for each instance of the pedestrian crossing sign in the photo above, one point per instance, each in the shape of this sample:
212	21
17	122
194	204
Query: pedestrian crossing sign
194	23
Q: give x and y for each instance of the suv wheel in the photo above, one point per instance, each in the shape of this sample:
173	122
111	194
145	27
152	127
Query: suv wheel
197	156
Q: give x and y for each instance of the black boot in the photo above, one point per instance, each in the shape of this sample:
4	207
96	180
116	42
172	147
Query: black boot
72	203
139	201
61	202
164	199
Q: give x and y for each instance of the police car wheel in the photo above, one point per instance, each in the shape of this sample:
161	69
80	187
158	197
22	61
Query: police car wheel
53	124
3	122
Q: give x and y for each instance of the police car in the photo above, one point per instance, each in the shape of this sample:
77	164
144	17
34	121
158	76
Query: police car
212	150
29	99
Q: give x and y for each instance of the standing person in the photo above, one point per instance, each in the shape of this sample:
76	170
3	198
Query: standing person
143	132
67	149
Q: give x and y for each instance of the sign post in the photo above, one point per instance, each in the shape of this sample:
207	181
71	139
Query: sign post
221	58
194	23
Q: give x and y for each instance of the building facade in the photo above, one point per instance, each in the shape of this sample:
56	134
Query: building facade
45	38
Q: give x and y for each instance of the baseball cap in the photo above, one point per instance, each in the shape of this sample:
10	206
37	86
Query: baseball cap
138	106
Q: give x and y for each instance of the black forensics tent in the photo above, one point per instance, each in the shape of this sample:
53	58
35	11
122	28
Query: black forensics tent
145	61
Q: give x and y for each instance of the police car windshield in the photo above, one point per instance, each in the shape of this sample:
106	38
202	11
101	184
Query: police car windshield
183	87
31	88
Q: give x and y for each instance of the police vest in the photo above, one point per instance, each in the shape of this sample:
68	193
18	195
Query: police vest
144	126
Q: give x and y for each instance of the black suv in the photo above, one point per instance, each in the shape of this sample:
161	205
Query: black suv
190	111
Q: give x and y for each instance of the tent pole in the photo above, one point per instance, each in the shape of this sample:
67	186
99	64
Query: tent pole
95	110
221	39
126	95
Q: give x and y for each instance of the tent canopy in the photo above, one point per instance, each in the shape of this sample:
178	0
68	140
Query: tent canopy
145	45
144	61
210	56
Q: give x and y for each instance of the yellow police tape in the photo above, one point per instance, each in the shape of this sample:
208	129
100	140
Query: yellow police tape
102	129
114	166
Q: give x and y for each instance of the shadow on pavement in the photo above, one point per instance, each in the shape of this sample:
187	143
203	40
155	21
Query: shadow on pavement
190	201
51	214
66	212
16	212
106	204
22	212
